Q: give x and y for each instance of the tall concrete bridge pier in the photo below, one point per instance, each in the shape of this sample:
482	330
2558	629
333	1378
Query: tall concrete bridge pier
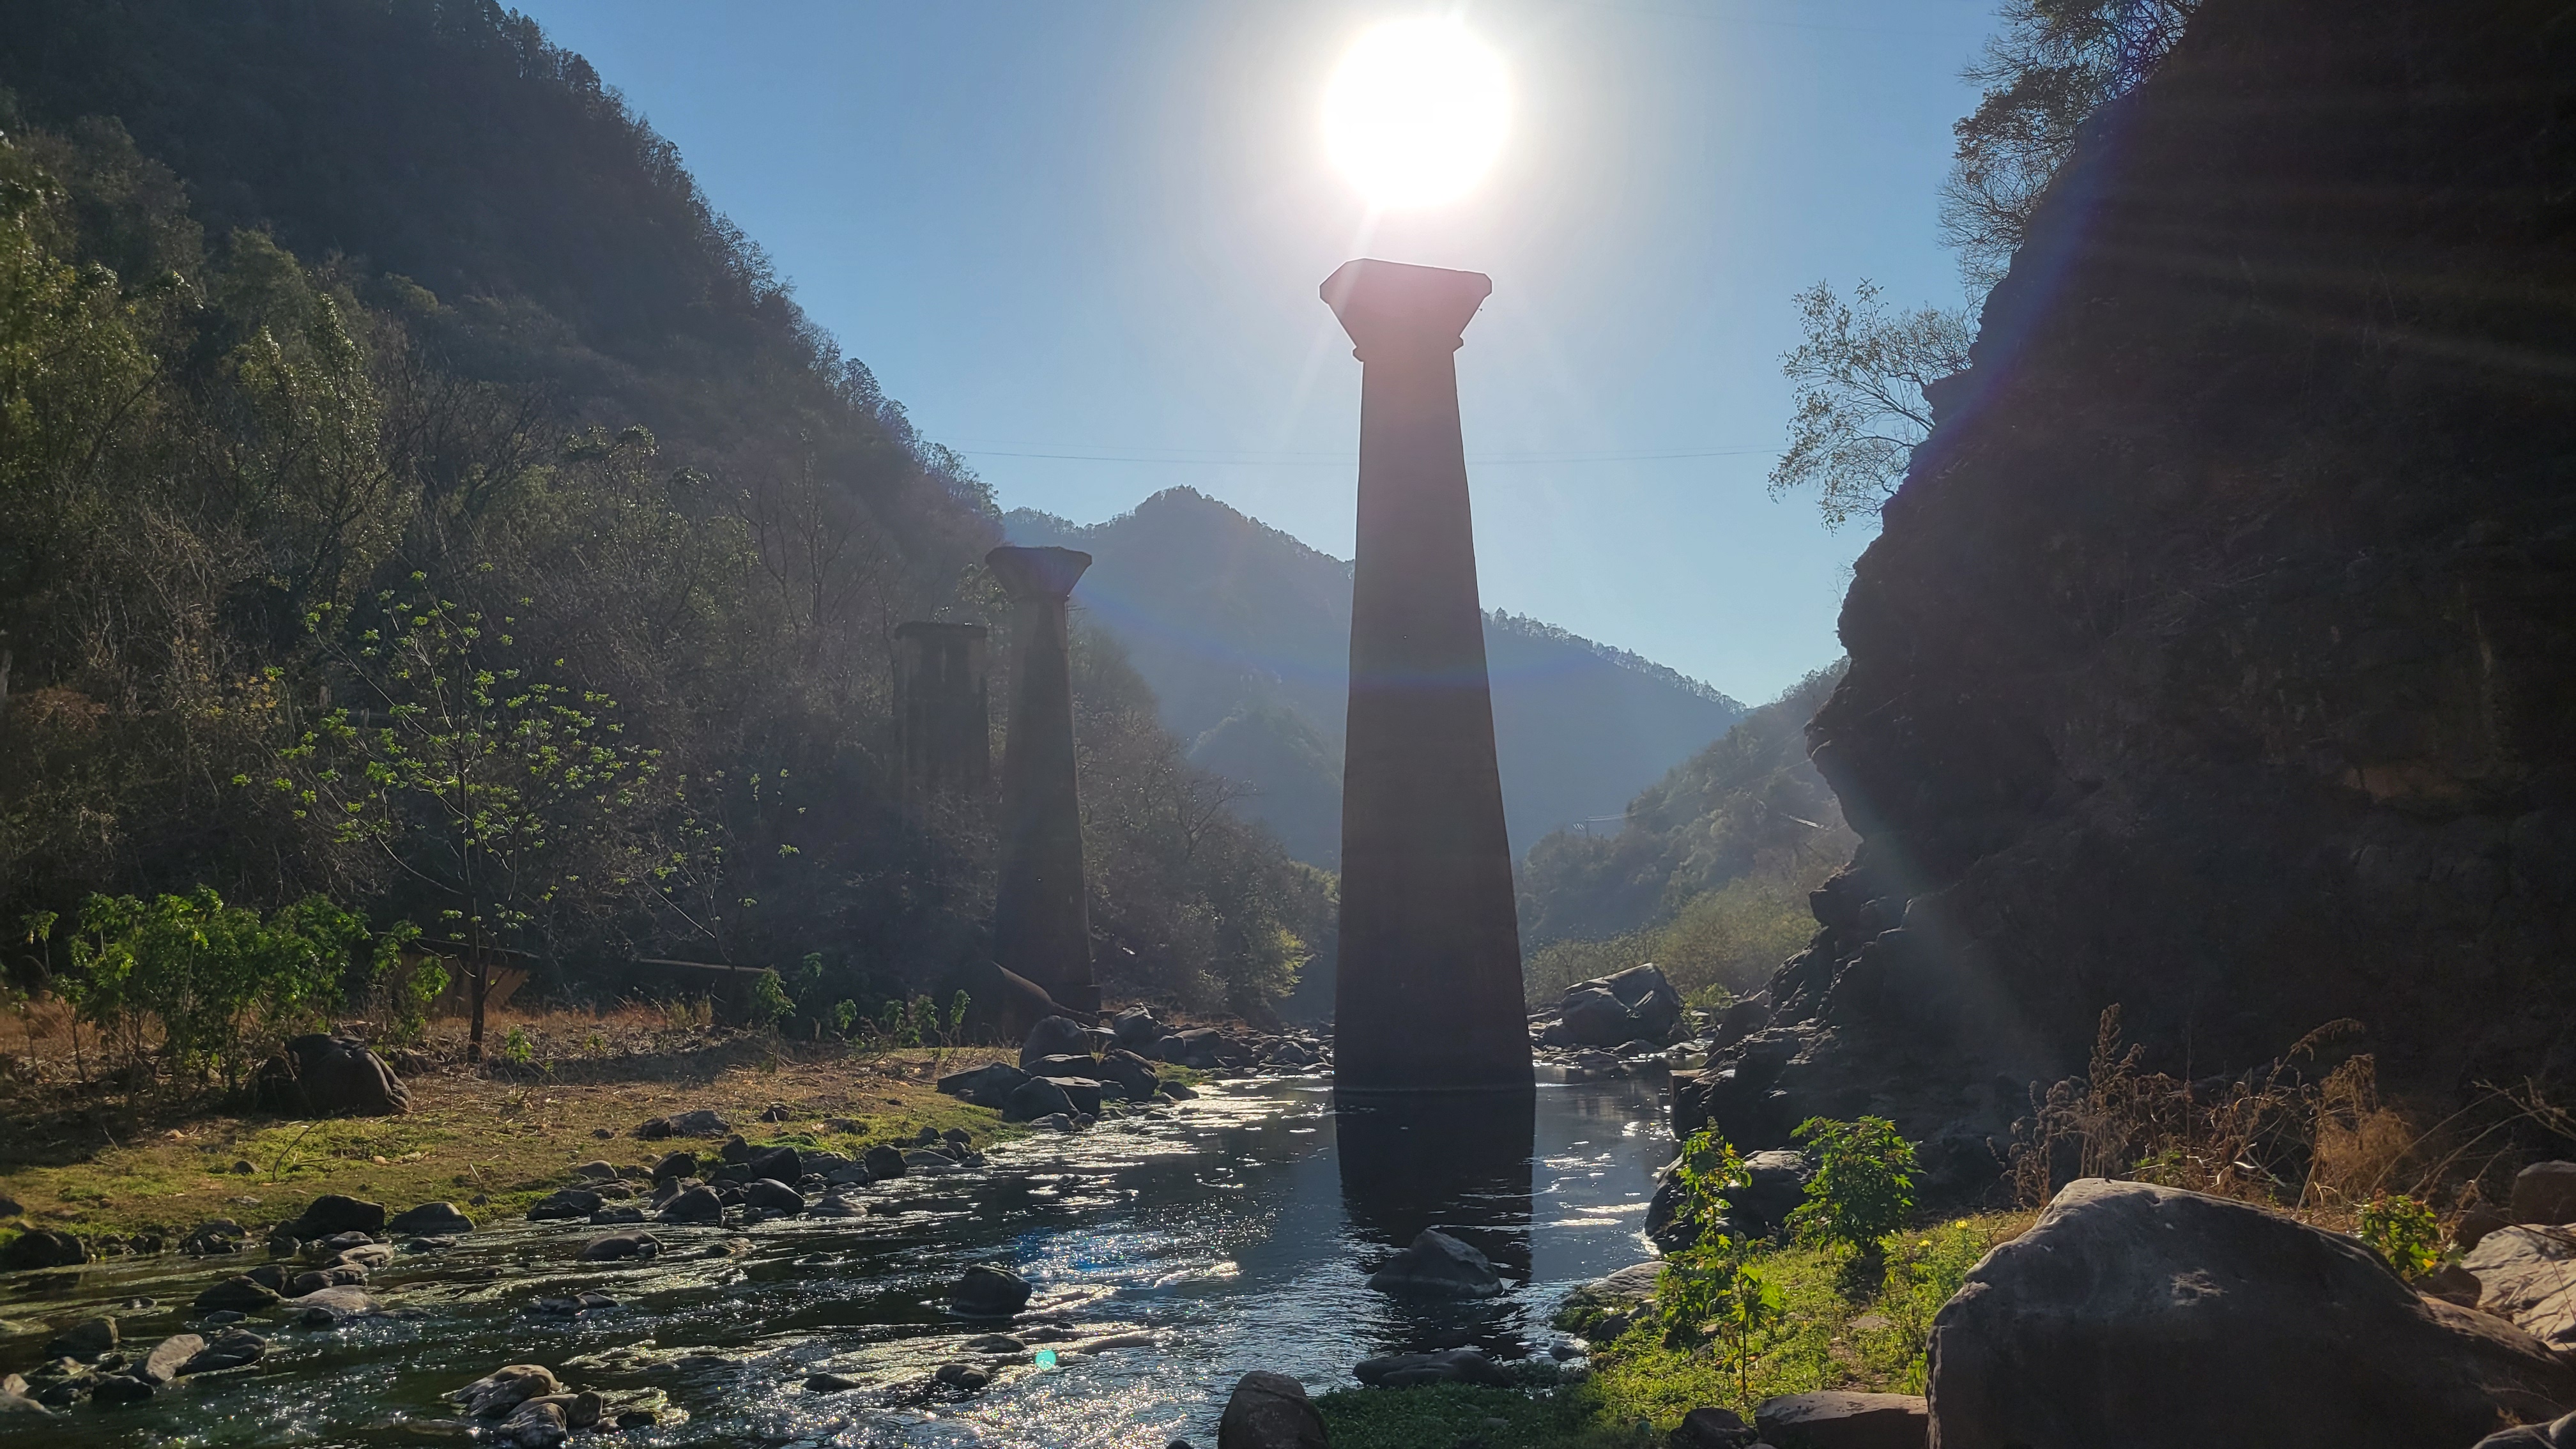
1428	995
1041	910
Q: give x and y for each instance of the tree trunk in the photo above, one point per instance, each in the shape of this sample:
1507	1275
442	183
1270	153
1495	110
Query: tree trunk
478	975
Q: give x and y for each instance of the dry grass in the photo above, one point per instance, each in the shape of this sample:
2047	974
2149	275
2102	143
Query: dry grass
2312	1141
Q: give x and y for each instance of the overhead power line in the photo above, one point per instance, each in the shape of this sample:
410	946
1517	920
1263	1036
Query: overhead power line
1341	460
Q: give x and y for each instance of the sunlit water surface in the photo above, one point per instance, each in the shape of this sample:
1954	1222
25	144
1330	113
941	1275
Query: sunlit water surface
1225	1228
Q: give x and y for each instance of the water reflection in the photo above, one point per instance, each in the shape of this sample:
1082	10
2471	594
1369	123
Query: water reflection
1459	1162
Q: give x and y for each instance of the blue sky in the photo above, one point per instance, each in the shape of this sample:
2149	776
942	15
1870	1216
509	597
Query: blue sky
1080	240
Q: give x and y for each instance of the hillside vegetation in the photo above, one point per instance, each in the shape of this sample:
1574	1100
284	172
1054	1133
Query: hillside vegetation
1708	873
412	493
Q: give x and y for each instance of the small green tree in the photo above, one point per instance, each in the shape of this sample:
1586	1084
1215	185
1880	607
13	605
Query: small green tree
1863	1187
1713	1292
1708	1170
1857	383
496	789
2404	1231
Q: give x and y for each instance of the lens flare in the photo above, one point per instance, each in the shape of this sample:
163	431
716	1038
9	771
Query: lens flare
1416	112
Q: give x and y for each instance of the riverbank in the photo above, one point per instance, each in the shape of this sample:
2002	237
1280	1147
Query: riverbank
490	1140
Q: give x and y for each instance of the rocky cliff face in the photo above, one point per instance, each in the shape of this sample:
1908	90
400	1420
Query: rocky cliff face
2219	655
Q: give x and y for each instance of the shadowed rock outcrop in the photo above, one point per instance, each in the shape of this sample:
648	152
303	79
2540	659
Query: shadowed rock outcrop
2214	658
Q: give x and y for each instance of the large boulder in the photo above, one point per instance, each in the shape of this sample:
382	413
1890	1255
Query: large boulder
1055	1036
1631	1005
1269	1411
329	1076
2141	1317
694	1204
1082	1092
2527	1276
1133	1074
2544	1193
1438	1265
989	1085
1604	1308
1775	1184
1833	1419
1033	1099
1135	1029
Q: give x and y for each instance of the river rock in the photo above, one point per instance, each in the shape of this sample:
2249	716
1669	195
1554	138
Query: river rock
170	1357
1133	1074
89	1340
43	1248
573	1305
1178	1091
620	1215
240	1293
2527	1276
315	1280
2544	1193
1082	1093
884	1161
1270	1411
328	1076
989	1292
1605	1307
570	1202
698	1204
617	1247
431	1218
829	1384
1439	1265
229	1349
1775	1185
331	1307
1135	1029
538	1424
1711	1428
675	1164
1033	1099
2141	1317
963	1376
773	1197
214	1237
1055	1036
504	1389
14	1399
366	1257
1833	1419
108	1390
986	1086
332	1213
1629	1005
834	1205
1448	1366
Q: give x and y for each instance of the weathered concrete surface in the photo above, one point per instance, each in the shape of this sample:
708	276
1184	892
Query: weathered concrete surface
1428	994
1041	918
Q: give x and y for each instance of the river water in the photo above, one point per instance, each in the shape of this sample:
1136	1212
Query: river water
1235	1230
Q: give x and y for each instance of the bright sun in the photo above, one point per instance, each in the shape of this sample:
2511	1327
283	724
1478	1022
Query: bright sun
1416	111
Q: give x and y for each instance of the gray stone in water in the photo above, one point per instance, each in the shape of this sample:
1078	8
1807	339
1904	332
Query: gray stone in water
1035	1098
834	1205
995	1343
609	1217
230	1349
989	1292
238	1293
88	1340
829	1384
1270	1411
1438	1264
675	1165
213	1237
570	1202
331	1307
963	1376
43	1248
697	1204
431	1218
884	1161
774	1197
619	1246
170	1357
1449	1366
504	1389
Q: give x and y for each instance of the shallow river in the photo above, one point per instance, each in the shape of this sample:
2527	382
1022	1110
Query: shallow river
1236	1230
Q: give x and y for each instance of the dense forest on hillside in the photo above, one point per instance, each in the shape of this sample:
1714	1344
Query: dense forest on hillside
1707	874
412	492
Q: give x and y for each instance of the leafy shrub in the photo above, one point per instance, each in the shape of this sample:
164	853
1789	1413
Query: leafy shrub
1864	1183
2403	1231
1714	1292
222	983
769	1000
519	1049
1708	1169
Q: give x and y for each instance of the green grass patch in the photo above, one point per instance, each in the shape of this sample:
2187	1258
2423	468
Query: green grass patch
1440	1416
